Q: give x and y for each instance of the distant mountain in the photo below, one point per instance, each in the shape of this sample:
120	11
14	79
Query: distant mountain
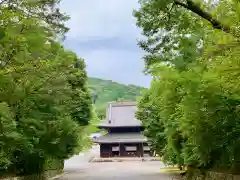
105	91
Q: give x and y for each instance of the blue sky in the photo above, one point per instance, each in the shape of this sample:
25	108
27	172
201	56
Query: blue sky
104	33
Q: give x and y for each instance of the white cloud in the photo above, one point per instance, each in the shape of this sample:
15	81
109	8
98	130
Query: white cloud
100	18
103	32
117	65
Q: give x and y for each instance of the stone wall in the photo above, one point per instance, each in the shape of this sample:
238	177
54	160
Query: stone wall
212	176
221	176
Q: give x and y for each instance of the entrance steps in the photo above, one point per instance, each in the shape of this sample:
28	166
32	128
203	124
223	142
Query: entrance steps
123	159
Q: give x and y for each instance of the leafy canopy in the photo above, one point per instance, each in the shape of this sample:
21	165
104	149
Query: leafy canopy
44	100
176	31
191	110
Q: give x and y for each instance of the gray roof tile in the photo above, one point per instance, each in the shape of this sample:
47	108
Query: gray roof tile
121	114
121	138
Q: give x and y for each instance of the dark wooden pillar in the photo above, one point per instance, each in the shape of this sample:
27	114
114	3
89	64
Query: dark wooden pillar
140	150
122	150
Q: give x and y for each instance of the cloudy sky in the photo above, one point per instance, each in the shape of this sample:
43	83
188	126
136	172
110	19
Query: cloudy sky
104	33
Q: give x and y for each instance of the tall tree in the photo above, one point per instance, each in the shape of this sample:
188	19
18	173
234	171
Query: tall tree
176	31
45	11
194	90
43	96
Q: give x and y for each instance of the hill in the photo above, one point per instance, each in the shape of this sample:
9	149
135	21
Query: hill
107	91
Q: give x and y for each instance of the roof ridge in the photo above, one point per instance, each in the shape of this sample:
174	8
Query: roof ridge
122	102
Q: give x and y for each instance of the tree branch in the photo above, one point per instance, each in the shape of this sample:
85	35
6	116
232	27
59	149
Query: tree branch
191	6
181	4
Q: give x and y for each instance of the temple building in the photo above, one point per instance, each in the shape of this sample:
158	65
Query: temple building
123	137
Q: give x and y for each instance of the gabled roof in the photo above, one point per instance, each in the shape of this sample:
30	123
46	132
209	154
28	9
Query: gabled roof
121	138
121	114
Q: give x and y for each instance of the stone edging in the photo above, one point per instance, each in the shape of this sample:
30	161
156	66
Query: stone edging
211	175
221	176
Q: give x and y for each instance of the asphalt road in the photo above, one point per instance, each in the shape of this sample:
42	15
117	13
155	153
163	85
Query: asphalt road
78	168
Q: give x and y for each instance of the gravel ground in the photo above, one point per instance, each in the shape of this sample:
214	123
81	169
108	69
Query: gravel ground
78	168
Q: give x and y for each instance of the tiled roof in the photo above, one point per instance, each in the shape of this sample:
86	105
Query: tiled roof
121	138
121	114
106	124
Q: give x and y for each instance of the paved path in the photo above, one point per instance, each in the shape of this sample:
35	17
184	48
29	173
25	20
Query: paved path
78	168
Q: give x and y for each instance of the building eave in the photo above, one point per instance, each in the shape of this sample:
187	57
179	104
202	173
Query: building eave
121	138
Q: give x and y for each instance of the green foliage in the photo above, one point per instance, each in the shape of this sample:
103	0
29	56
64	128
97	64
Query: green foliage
7	135
108	91
191	110
81	98
45	104
165	26
91	128
175	31
44	11
196	119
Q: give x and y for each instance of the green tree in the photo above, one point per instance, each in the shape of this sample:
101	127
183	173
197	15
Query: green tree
192	53
8	136
176	31
42	101
45	11
44	97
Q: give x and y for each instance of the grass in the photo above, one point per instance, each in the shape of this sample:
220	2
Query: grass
172	171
